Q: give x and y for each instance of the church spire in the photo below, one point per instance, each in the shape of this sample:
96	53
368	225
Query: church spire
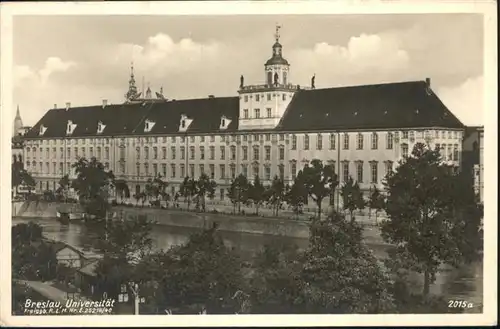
18	122
277	33
132	89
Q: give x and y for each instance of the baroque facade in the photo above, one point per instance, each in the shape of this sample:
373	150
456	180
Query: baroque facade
269	129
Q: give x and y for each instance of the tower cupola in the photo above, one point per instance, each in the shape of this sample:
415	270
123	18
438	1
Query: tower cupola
277	67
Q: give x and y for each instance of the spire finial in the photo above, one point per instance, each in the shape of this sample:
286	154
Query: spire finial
17	112
277	34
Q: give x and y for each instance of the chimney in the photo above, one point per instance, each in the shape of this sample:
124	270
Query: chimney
55	106
104	102
68	105
428	86
210	96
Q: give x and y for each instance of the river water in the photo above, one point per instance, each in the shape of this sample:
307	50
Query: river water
465	283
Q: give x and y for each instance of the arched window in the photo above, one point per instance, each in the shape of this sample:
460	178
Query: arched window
137	189
284	78
269	78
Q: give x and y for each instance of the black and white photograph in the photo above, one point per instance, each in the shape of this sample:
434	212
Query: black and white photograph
225	163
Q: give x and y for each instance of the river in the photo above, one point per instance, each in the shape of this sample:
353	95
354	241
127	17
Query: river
465	283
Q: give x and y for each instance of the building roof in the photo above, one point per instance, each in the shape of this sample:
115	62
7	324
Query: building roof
383	106
90	268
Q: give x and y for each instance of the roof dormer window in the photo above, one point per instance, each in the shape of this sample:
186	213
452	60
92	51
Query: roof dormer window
70	127
224	123
184	123
42	130
100	127
148	125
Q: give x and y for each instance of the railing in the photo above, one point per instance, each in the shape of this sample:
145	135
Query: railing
279	85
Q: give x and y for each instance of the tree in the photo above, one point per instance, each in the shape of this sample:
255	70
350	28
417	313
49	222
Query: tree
296	194
204	186
202	274
433	218
319	181
93	183
19	176
63	189
376	201
276	286
239	191
340	274
277	193
257	193
32	257
352	197
188	190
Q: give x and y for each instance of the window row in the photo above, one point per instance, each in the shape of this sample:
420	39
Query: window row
269	96
76	152
256	113
53	168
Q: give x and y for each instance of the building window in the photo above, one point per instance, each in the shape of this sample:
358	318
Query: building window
404	150
191	171
390	141
455	152
222	153
282	137
212	171
345	171
183	171
268	152
183	139
332	142
146	169
257	113
222	171
374	171
212	152
255	169
232	169
256	153
155	152
244	170
138	169
246	98
222	194
319	142
306	142
172	152
172	170
388	167
183	153
256	138
106	153
281	169
233	152
202	139
68	152
346	141
245	113
76	152
269	95
192	138
282	152
449	134
155	169
360	141
374	141
245	152
54	168
191	152
268	137
359	171
294	142
283	97
163	152
164	169
257	98
212	138
146	153
268	112
202	153
294	170
450	152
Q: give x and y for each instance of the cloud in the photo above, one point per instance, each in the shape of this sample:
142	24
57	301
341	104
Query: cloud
465	100
161	54
376	54
53	65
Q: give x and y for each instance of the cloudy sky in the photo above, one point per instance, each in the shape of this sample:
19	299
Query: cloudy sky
84	59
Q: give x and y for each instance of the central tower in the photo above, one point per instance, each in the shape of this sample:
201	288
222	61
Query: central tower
263	105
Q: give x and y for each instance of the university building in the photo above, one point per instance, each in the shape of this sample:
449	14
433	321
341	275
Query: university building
271	128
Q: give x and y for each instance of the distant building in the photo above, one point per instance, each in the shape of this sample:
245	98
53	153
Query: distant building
17	141
472	158
271	128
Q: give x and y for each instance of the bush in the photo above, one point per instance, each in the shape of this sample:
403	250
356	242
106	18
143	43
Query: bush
114	203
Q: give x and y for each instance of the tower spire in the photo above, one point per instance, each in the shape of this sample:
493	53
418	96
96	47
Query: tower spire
277	33
132	89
